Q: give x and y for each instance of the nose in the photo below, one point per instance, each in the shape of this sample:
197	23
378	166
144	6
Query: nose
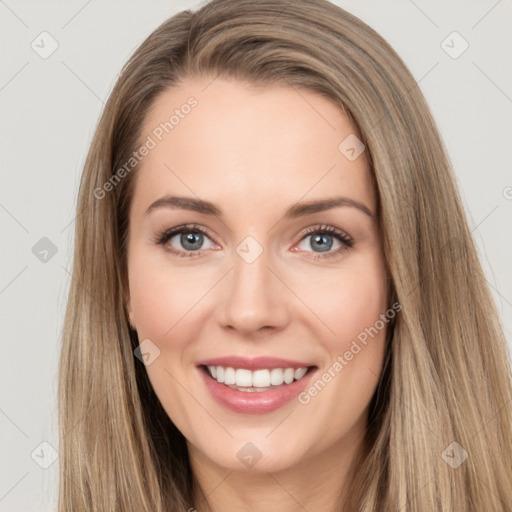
254	299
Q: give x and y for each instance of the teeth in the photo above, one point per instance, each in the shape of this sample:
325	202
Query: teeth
243	377
276	376
229	376
258	380
300	372
289	375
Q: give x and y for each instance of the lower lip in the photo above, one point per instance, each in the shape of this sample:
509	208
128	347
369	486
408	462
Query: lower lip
257	402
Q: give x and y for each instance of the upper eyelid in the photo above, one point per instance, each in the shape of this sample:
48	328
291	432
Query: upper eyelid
321	228
308	231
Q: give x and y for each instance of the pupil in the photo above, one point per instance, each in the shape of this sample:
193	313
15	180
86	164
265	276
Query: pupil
323	240
189	239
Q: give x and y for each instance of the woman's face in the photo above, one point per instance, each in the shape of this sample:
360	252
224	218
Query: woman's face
265	276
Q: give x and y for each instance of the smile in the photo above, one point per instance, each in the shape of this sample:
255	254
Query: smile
254	386
258	380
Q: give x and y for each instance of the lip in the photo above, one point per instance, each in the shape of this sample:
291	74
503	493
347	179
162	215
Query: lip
257	402
255	363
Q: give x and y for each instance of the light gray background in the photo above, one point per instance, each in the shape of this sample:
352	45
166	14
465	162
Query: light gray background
49	109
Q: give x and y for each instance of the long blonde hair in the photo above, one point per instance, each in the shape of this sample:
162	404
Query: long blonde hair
447	375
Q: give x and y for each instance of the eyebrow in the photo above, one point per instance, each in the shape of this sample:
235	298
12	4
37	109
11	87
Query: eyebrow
295	211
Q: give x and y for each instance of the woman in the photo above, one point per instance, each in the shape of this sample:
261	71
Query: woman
212	358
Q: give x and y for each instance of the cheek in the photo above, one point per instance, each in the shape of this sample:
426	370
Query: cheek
351	302
155	304
357	348
162	300
162	295
352	306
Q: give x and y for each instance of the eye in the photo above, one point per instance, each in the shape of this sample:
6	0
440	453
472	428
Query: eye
190	237
323	238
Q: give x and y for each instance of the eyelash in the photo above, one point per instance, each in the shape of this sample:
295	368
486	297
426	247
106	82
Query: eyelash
163	237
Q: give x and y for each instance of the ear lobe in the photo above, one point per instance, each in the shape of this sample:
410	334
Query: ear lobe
131	316
131	320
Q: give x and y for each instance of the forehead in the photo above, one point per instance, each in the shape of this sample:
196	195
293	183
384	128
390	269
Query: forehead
251	148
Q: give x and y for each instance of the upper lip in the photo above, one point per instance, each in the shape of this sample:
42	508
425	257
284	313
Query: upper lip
255	363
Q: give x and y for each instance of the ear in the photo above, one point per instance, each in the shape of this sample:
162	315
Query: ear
129	308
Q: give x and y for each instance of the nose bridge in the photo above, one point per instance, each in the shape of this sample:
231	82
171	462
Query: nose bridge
254	298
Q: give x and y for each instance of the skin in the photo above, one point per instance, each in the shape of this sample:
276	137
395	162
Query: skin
291	302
